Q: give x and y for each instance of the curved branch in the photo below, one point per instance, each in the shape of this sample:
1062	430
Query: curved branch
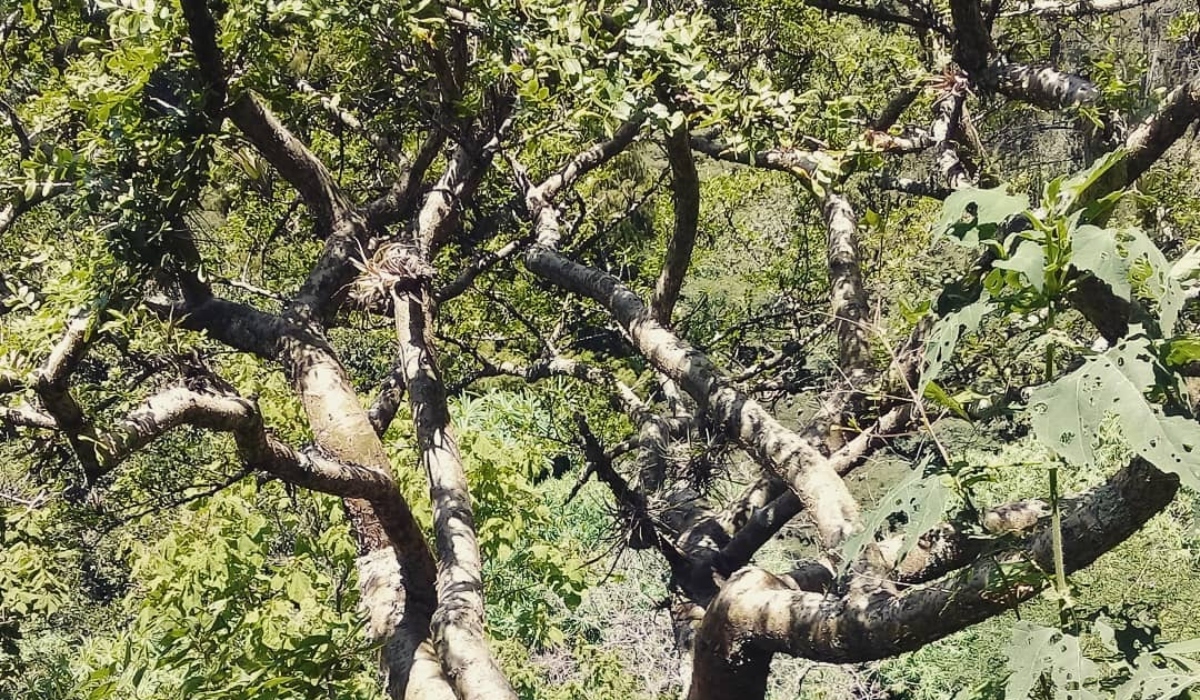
686	197
757	614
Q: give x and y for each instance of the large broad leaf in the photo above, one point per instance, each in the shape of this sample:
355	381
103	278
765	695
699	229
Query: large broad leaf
1036	651
944	338
1067	414
1164	678
1095	250
1120	257
971	215
1063	195
919	500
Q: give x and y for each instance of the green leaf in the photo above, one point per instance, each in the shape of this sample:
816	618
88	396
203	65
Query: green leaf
944	337
1037	651
1028	260
1095	250
1068	413
971	215
1125	258
921	499
935	393
1151	681
299	587
1071	191
1182	351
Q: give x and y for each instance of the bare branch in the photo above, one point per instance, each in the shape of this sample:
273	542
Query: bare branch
685	185
457	624
877	13
349	120
294	161
593	157
25	416
476	266
11	212
783	160
976	53
1053	9
847	295
26	149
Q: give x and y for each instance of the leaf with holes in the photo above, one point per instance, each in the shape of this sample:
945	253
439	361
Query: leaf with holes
1095	250
1067	414
971	215
919	500
944	338
1036	652
1159	677
1126	259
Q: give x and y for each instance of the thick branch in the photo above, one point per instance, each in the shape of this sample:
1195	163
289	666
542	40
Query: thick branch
847	296
877	13
1052	9
294	161
757	614
778	449
457	624
686	188
783	160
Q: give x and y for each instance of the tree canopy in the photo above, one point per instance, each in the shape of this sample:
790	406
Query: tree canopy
337	333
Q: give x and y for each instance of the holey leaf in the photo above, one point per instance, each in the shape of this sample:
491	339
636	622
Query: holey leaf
1095	250
918	500
1122	257
1067	414
971	215
1037	651
944	338
1163	673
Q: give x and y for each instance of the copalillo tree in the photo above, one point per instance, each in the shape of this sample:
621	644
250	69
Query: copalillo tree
386	159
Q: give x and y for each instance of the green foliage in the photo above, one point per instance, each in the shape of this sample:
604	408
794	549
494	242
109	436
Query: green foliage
1067	415
919	501
235	604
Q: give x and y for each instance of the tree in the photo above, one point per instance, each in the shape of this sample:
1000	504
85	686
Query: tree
382	160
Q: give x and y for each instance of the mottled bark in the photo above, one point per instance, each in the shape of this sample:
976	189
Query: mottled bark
848	298
786	454
685	185
947	134
758	614
458	623
976	53
1050	9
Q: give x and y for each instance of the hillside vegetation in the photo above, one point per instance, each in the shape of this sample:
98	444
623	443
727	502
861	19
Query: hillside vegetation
581	349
